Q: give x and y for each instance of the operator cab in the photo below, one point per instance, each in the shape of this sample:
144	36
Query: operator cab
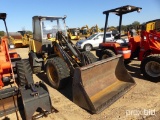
46	27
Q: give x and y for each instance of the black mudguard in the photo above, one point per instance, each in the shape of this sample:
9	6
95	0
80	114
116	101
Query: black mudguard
35	60
34	100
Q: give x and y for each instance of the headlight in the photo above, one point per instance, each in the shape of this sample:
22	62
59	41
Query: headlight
11	46
78	43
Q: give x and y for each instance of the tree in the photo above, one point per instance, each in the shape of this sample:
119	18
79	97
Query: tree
29	32
123	27
135	24
112	28
2	33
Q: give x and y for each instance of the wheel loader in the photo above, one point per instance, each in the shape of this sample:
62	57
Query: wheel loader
18	92
95	84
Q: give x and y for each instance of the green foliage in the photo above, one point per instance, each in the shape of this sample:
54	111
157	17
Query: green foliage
2	33
135	23
29	32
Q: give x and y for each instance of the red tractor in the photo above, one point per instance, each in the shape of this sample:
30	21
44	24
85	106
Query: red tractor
149	55
145	46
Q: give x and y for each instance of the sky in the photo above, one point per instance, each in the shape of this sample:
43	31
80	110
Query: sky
79	12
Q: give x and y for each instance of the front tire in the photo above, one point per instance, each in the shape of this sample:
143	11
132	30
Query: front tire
57	72
106	54
23	67
150	68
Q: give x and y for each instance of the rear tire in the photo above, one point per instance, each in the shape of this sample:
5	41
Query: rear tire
87	47
90	56
150	68
57	72
106	54
23	67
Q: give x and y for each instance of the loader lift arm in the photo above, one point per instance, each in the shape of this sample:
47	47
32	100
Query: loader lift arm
70	53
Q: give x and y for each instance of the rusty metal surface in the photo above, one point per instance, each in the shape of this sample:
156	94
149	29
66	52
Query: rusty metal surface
98	85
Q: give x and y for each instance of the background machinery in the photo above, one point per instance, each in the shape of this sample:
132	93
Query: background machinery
153	25
20	38
84	32
95	84
17	88
94	29
109	49
144	46
73	33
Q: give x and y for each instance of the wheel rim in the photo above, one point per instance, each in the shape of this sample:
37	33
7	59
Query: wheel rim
152	68
104	56
88	48
52	74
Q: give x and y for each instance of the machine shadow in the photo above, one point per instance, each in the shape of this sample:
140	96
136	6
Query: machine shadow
6	118
21	108
134	70
66	91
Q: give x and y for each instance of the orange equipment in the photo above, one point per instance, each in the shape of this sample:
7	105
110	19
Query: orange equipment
5	61
145	46
16	84
149	55
109	49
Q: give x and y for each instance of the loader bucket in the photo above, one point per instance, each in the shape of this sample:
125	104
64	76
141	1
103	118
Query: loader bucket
98	85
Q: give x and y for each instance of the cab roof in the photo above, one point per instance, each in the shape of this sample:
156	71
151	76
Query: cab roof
49	17
123	10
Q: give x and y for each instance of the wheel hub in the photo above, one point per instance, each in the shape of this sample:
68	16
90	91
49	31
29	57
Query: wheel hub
105	56
52	74
88	48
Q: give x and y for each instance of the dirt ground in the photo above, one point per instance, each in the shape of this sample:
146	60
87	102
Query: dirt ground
141	102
